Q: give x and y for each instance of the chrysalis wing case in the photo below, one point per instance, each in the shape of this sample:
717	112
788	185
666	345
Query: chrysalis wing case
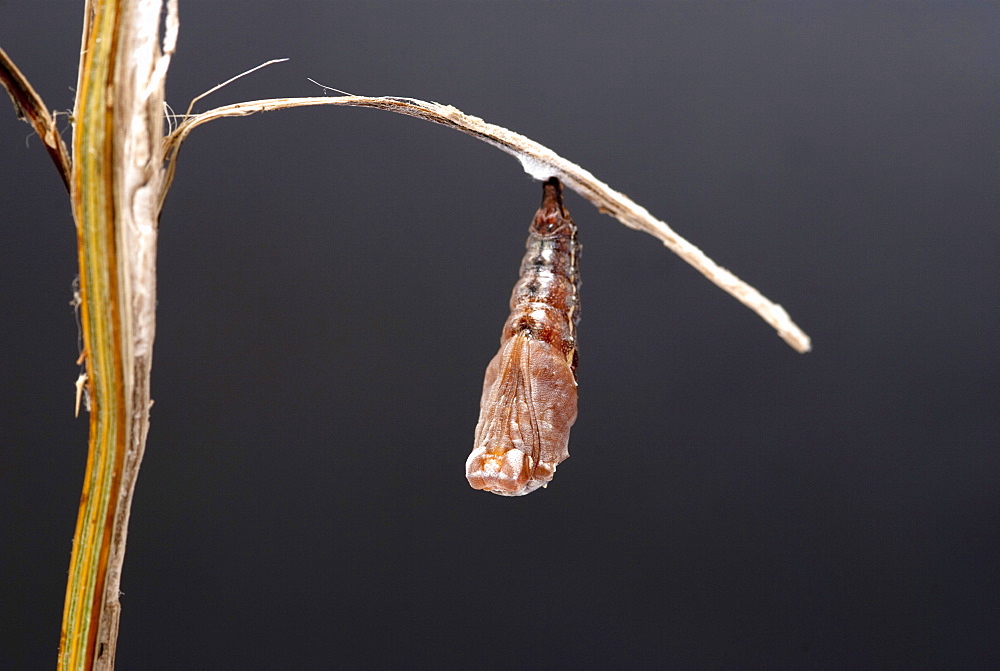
529	394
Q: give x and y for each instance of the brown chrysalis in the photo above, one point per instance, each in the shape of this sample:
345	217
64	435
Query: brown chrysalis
529	394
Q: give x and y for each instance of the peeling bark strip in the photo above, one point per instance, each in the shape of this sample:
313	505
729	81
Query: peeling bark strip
29	107
529	394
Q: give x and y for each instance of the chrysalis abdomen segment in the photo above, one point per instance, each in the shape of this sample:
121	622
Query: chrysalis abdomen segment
529	393
545	301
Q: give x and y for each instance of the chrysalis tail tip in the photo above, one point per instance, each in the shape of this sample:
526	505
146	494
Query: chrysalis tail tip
552	195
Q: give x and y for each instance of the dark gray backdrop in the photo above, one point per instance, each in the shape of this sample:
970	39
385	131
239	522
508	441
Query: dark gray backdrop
332	283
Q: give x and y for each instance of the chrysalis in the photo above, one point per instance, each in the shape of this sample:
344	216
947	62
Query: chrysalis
529	394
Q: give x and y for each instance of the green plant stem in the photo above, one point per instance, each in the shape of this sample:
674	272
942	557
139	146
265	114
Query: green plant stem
92	190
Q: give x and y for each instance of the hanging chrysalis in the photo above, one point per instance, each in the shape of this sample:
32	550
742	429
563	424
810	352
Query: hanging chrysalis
529	394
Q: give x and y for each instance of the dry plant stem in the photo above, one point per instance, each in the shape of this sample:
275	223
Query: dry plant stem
116	183
540	162
29	106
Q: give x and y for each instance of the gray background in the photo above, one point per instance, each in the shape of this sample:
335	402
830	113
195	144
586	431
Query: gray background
332	283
